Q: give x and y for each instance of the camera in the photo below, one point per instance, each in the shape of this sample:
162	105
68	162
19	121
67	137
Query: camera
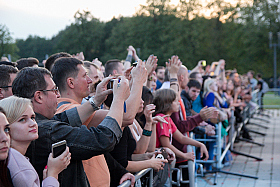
163	155
110	84
134	64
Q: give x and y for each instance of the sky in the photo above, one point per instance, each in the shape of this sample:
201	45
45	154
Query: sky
45	18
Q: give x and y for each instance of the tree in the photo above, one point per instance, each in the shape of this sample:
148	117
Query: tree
7	45
34	46
85	35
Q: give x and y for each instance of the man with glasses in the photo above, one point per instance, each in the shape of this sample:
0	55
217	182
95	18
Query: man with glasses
73	82
83	142
7	74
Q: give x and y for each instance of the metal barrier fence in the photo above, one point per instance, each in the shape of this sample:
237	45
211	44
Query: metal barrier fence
233	133
139	175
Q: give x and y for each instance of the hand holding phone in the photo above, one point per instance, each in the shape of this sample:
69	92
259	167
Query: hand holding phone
58	148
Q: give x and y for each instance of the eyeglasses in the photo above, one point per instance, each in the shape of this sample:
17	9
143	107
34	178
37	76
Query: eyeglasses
55	90
6	86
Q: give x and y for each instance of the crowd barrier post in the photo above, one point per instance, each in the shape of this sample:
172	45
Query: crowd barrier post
246	117
229	146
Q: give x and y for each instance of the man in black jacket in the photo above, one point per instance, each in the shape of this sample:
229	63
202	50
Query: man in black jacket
84	143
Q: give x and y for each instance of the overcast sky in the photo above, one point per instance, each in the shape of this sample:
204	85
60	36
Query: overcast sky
45	18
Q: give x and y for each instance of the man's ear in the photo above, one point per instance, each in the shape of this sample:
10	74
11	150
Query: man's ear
1	94
114	72
70	82
181	78
38	97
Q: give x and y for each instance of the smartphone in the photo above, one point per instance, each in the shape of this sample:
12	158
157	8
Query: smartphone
134	64
110	84
58	148
203	63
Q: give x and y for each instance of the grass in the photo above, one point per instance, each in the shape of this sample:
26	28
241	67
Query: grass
271	99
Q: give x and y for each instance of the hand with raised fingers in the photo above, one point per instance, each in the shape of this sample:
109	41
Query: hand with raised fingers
127	73
174	64
148	112
151	64
222	63
97	62
80	56
121	89
139	73
102	91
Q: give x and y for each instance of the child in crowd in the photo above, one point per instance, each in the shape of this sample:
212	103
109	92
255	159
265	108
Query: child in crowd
167	102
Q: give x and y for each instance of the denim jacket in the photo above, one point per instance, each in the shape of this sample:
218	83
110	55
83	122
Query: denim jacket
83	143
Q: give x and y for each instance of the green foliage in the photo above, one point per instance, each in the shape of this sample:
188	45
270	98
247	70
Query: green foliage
84	35
7	45
34	46
238	34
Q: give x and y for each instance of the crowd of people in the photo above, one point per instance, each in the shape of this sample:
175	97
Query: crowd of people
117	119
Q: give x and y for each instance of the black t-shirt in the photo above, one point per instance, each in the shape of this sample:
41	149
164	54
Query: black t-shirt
125	148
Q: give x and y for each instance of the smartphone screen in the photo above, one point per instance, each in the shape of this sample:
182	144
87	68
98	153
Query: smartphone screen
58	148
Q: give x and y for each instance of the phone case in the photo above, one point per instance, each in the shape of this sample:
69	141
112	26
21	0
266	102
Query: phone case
58	148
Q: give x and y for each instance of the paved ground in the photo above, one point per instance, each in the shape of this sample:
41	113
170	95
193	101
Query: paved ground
267	171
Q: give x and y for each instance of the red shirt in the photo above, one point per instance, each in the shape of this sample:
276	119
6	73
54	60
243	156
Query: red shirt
164	129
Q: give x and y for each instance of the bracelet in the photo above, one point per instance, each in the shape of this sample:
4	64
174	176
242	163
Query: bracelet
146	132
94	106
173	80
175	84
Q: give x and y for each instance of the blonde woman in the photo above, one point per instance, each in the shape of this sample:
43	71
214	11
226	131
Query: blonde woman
23	130
211	98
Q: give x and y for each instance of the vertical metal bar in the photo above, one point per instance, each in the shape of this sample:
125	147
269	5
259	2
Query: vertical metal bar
191	168
151	178
275	66
219	148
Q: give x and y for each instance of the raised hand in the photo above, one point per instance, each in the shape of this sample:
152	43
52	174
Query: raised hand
173	65
121	88
102	92
148	112
151	64
139	73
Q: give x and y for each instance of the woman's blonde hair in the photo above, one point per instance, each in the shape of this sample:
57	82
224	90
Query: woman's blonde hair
207	84
14	107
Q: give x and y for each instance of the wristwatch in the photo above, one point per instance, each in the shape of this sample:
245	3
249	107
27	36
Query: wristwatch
94	106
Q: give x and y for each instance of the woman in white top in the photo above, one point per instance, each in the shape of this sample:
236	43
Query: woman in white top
23	130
